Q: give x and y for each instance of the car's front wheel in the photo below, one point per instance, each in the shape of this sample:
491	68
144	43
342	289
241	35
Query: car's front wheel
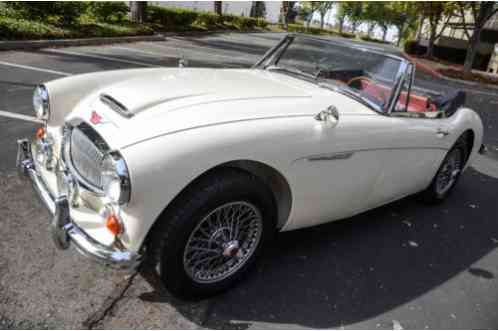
213	233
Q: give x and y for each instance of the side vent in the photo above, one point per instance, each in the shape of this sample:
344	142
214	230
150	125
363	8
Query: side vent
115	105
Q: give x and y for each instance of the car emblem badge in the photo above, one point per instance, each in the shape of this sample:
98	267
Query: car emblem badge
95	118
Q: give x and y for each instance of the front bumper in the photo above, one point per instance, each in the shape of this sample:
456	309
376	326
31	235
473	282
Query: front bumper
64	231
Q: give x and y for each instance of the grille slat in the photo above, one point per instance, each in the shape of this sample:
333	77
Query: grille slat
87	152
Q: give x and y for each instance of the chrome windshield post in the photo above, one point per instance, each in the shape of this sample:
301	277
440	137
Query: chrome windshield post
400	79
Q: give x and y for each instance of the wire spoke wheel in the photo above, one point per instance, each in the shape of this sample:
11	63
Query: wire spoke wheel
222	242
449	171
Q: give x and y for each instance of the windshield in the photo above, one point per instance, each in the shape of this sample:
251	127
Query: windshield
366	75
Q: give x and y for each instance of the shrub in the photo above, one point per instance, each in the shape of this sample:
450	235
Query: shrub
171	17
410	46
374	40
108	11
229	18
347	35
261	23
11	28
209	20
245	23
66	11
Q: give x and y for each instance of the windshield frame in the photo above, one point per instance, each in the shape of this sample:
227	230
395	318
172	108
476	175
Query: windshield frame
273	55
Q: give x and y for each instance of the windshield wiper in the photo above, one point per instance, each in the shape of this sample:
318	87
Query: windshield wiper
290	70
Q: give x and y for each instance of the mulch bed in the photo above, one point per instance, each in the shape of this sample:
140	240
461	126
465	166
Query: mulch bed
474	77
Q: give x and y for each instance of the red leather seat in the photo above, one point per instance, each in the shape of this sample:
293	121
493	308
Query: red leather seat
416	103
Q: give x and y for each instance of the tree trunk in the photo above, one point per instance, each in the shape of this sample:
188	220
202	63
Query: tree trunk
137	10
371	27
252	13
384	33
472	51
419	30
218	7
283	13
400	34
430	47
341	24
322	20
353	27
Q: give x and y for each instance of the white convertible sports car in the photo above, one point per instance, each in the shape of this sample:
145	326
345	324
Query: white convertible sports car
194	170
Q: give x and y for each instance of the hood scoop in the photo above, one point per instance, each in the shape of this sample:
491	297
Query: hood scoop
115	105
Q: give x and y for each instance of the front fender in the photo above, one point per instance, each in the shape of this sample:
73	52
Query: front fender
162	167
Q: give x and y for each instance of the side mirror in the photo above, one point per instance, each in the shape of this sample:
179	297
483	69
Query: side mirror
329	115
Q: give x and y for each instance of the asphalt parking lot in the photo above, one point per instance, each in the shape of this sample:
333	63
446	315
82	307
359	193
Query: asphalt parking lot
403	265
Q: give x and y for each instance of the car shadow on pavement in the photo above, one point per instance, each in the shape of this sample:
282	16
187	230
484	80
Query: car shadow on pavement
348	271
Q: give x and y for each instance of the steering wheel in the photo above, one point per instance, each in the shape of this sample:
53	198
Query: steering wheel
359	78
380	95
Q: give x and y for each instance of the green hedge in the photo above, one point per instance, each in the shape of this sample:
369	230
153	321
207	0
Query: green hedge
171	17
182	19
20	29
67	12
108	11
11	28
374	40
298	28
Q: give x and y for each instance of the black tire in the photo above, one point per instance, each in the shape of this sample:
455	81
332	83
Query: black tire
434	194
170	236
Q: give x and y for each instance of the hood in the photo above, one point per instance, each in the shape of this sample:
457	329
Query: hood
180	88
166	100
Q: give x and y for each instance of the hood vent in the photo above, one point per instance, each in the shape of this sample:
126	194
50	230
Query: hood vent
115	105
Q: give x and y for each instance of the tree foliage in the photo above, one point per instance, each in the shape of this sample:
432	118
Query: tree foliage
481	12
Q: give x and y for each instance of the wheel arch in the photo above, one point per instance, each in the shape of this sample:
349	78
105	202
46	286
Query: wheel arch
271	177
469	137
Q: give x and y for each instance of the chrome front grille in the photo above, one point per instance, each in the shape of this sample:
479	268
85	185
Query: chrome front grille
87	151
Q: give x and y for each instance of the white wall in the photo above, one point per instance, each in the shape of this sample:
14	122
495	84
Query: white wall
229	7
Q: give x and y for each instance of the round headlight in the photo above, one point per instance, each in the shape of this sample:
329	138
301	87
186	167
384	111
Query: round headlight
41	103
115	179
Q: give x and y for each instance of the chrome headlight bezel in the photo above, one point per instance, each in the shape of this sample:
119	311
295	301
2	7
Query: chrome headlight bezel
116	179
41	103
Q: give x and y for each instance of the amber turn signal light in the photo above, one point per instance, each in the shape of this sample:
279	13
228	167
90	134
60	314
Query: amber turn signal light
40	133
114	225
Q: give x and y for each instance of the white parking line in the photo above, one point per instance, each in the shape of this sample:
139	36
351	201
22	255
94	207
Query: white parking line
193	48
101	57
19	116
34	68
186	49
174	48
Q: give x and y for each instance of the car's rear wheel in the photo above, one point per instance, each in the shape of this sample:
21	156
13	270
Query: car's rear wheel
448	173
212	234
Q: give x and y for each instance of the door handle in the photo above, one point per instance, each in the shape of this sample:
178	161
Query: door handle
441	133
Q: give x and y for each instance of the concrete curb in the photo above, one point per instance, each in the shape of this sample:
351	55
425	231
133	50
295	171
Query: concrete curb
423	67
204	33
36	44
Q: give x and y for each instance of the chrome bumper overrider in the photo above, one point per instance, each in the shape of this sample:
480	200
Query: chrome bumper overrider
64	231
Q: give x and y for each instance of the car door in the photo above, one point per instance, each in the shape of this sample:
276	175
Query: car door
415	151
341	168
410	159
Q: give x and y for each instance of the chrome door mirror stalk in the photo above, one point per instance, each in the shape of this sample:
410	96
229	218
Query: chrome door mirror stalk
331	114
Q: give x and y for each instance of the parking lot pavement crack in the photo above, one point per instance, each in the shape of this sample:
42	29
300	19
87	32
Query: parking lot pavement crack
109	303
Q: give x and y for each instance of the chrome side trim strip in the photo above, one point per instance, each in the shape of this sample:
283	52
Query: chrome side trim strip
331	157
343	155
